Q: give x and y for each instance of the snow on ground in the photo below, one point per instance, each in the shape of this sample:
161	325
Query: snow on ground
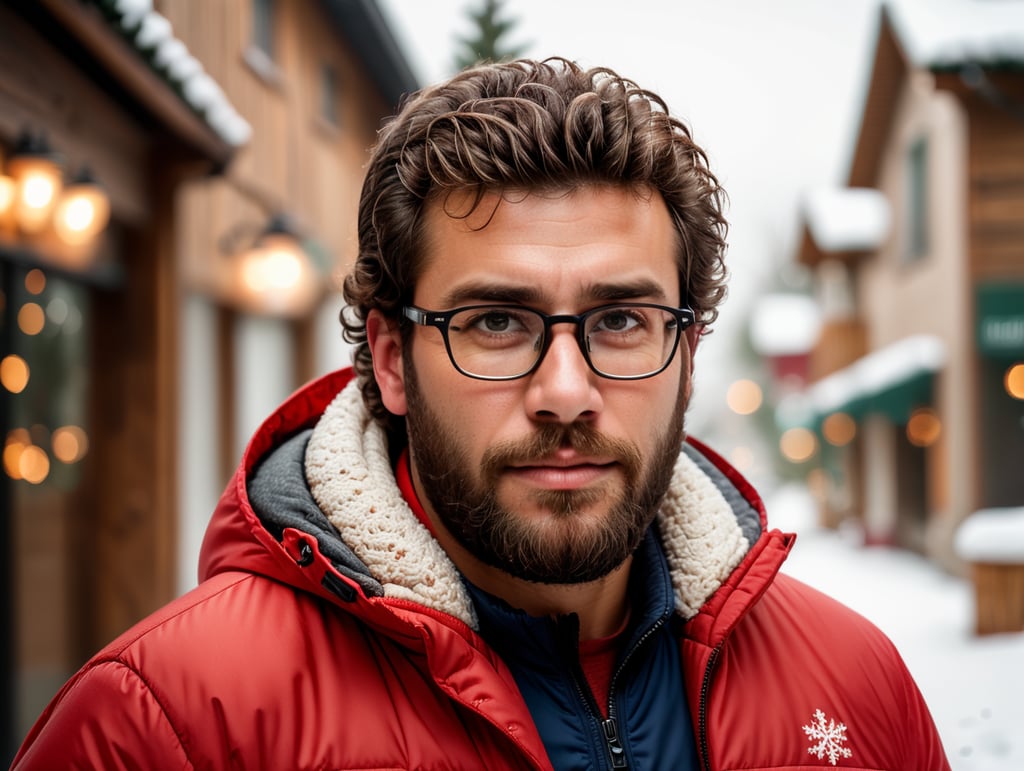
974	686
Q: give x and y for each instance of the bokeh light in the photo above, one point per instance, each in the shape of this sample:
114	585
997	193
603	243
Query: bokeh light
70	444
35	281
34	464
839	429
744	397
1014	381
31	319
798	444
14	445
14	373
923	427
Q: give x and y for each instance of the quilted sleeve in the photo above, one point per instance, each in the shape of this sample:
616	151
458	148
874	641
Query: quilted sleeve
106	717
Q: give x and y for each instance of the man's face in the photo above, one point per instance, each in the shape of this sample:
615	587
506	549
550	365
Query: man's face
553	477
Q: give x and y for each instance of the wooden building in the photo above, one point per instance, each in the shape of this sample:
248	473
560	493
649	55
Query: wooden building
917	391
128	360
315	78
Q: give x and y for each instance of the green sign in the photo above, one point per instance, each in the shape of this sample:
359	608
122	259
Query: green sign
1001	319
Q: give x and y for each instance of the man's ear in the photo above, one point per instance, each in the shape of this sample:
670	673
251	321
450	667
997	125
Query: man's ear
691	337
385	342
693	334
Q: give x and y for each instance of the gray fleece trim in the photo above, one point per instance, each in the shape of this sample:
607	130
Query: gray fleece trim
747	517
281	499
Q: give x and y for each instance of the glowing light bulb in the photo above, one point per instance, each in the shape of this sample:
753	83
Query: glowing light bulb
83	212
38	187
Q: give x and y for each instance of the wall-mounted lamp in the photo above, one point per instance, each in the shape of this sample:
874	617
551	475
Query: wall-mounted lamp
34	198
37	174
83	210
271	270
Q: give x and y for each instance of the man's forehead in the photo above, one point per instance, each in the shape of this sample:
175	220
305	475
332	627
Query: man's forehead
592	244
472	209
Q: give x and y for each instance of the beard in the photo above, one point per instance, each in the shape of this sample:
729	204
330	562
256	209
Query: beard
588	532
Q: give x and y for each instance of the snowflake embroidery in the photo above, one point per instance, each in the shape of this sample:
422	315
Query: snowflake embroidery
830	738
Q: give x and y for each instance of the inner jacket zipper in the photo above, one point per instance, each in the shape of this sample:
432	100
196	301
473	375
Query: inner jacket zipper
609	725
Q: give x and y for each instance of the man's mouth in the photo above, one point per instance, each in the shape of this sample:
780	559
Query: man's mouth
562	472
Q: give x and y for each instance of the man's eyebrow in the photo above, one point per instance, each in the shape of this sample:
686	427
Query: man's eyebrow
624	290
485	292
516	294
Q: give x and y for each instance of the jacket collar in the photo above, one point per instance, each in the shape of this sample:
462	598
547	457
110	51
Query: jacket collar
720	556
707	526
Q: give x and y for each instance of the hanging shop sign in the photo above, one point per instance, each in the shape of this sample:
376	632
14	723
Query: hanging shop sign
1000	313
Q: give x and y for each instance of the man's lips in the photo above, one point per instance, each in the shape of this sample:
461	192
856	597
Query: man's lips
562	473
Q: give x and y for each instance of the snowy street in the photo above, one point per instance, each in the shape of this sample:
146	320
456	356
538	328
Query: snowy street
974	686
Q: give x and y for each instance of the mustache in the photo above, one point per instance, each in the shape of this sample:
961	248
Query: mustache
551	437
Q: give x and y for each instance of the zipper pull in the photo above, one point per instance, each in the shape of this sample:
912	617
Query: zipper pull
615	748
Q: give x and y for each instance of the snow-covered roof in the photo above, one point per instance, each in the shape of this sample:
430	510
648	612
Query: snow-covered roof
784	324
152	35
992	535
878	371
945	33
847	219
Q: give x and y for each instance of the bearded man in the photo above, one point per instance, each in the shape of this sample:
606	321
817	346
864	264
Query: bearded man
492	545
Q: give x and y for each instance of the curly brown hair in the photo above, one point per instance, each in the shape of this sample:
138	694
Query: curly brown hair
530	126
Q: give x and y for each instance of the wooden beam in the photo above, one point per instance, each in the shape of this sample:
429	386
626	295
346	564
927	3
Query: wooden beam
226	392
888	73
133	514
114	54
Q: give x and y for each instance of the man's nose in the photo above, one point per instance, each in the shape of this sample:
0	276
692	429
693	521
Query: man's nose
563	388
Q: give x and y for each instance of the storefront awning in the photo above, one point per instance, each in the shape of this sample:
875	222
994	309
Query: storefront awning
893	380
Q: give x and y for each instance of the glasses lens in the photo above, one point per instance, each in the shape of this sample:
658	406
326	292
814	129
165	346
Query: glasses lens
495	341
630	340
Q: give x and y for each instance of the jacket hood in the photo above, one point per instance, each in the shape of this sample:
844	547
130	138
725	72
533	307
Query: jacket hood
319	475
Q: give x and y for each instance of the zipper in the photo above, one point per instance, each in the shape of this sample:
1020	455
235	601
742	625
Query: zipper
609	727
705	688
611	739
616	751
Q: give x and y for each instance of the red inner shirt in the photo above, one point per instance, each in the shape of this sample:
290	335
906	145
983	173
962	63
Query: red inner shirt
597	657
403	475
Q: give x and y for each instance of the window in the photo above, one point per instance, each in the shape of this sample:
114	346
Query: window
329	94
263	26
46	378
917	201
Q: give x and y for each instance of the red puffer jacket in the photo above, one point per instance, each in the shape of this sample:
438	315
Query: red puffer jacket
300	650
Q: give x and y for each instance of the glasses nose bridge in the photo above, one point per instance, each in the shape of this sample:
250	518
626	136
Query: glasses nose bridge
564	318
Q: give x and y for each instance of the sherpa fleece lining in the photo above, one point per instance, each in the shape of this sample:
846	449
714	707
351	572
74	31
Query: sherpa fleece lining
351	479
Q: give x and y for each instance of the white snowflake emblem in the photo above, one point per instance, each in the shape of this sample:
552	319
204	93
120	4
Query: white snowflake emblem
830	738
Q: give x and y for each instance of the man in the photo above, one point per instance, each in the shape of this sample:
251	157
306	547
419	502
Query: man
486	549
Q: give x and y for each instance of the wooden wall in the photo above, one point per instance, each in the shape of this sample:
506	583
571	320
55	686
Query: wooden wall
996	196
296	161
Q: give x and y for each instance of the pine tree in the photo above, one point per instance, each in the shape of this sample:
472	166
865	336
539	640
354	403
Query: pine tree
487	44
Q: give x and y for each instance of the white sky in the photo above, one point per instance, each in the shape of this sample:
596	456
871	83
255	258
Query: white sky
772	89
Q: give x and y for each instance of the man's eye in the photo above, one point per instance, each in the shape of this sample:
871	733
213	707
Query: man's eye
496	322
617	321
490	322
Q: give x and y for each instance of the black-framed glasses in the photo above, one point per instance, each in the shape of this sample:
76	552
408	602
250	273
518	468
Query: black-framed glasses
628	341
